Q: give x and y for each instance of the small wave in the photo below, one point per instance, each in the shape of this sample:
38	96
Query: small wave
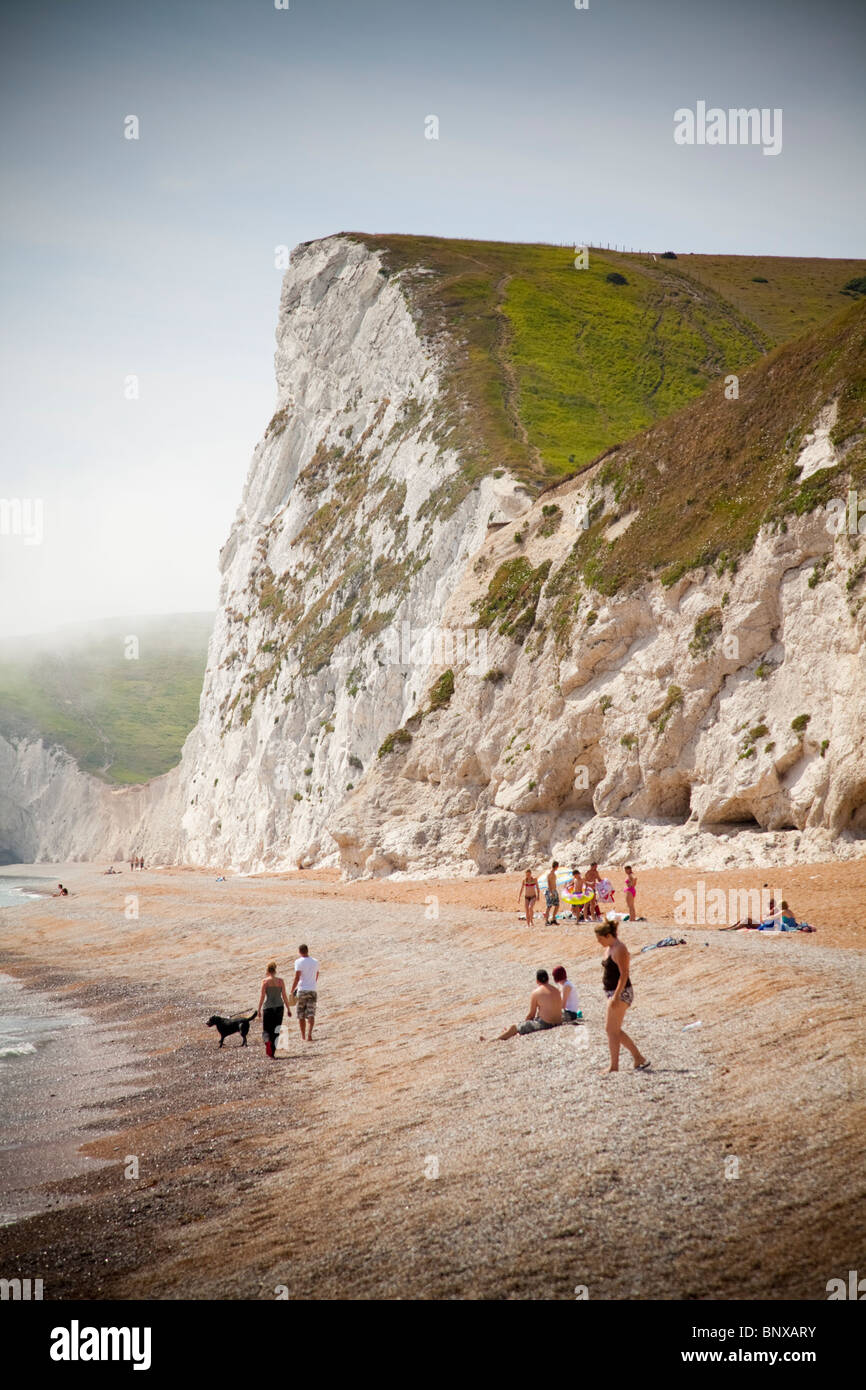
16	1049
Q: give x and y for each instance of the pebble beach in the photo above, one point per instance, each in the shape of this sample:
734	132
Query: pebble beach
400	1157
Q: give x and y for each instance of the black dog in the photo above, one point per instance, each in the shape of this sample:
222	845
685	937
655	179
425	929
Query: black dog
226	1026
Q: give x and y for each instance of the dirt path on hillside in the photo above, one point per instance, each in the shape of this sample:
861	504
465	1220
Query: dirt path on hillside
399	1157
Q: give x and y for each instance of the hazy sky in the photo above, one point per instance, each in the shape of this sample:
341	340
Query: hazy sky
261	127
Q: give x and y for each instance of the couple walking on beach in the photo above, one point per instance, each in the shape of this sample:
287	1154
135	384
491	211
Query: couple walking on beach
547	1004
304	994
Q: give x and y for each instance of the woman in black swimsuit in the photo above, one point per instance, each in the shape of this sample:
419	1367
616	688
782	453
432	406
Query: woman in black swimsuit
619	992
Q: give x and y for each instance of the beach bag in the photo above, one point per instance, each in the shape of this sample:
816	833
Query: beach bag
293	999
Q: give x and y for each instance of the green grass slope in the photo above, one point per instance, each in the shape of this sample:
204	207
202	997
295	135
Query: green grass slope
549	365
123	720
706	479
784	295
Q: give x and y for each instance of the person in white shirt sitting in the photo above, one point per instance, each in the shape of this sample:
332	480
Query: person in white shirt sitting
570	1005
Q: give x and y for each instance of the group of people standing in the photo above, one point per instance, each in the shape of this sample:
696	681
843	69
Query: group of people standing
587	894
136	862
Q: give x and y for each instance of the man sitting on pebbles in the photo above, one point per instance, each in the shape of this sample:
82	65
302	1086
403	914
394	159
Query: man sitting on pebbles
545	1010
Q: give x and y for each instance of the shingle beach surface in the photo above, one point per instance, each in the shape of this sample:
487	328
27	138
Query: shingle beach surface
398	1156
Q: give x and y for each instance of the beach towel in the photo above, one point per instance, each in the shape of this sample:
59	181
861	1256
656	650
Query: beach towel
666	941
604	890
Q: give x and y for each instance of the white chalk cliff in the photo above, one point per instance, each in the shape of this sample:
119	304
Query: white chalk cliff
663	730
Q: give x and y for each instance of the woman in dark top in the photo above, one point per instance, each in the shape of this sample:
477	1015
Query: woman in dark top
273	997
619	992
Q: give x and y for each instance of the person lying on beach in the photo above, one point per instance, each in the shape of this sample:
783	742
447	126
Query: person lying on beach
570	1006
529	893
749	921
545	1010
788	921
111	870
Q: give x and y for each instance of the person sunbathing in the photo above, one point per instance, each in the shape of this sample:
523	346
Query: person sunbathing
788	921
545	1010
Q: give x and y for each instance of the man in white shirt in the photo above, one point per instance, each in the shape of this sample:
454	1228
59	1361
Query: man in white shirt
306	982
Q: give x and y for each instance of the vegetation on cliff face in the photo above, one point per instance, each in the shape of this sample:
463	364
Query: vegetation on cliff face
441	691
544	365
305	620
439	697
512	598
702	483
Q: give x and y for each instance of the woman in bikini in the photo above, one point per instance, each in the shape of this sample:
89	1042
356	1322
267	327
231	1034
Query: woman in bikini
529	893
630	893
619	993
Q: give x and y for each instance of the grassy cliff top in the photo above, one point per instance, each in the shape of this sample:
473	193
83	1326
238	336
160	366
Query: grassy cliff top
123	719
701	483
549	365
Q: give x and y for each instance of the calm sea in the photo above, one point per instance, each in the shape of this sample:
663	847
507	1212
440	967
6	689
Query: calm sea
15	889
26	1023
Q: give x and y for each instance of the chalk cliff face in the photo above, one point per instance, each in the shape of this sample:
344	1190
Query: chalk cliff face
716	721
347	719
353	526
51	811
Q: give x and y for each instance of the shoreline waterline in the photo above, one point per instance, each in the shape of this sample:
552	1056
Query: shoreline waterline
17	888
448	1168
60	1071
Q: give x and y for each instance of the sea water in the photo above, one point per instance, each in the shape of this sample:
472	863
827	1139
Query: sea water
27	1022
35	1050
24	1022
15	889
